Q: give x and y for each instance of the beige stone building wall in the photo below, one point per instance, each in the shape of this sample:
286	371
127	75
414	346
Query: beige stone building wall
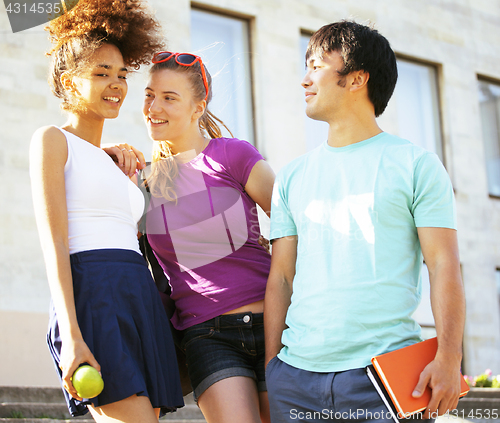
459	36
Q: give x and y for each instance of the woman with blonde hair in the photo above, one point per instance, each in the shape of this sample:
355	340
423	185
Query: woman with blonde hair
106	310
203	227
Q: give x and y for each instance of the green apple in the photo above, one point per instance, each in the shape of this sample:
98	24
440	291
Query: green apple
87	382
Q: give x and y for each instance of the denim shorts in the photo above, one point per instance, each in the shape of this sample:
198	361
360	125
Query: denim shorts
226	346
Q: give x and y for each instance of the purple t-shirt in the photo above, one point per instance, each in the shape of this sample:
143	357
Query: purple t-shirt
207	242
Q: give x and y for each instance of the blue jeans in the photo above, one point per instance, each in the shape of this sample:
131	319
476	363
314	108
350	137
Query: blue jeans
226	346
297	395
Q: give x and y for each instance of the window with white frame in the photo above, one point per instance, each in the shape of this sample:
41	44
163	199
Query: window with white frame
489	104
223	44
413	111
316	132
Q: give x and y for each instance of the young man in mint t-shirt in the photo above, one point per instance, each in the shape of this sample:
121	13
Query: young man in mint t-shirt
350	222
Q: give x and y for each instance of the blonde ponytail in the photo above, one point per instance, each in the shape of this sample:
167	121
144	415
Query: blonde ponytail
210	124
164	170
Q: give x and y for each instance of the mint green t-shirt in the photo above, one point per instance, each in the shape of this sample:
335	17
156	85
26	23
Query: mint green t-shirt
356	210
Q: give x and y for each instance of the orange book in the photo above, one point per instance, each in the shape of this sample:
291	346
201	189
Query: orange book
395	375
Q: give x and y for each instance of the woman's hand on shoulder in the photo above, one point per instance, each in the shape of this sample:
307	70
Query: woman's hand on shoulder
126	157
264	242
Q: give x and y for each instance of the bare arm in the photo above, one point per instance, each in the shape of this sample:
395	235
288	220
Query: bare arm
440	250
48	155
279	292
260	185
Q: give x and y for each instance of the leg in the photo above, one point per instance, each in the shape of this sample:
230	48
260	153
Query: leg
296	395
133	409
357	400
230	400
265	412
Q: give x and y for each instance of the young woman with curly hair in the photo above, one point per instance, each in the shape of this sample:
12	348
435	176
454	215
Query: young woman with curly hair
203	227
106	310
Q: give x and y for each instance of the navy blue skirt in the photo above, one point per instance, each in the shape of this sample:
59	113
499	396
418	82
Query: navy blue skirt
124	324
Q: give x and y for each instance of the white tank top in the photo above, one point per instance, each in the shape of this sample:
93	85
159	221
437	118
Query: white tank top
104	205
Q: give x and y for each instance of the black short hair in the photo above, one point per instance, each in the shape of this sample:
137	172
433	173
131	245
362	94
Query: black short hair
361	48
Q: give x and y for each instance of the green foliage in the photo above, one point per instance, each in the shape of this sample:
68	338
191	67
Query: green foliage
16	415
484	380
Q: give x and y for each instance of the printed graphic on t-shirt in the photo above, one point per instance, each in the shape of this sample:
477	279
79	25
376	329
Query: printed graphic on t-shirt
206	224
351	217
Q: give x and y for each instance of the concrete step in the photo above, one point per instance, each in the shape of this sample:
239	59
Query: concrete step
47	405
482	393
60	411
188	413
488	402
47	395
35	410
475	408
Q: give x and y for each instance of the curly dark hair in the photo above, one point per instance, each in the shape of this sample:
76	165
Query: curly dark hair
128	24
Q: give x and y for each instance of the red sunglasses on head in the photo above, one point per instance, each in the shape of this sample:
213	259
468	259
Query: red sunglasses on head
183	59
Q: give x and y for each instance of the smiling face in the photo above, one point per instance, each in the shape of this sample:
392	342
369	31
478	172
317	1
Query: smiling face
325	90
170	110
100	90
